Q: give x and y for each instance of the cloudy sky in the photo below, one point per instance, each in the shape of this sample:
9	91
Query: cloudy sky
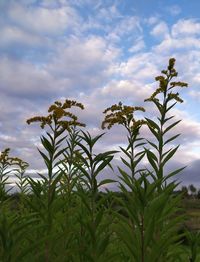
98	52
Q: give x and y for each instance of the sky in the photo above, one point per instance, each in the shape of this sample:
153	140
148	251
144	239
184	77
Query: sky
98	52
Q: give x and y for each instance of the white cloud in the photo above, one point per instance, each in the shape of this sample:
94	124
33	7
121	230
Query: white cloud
160	30
23	79
87	62
152	20
186	27
195	94
43	20
124	89
107	14
140	67
137	46
128	25
12	35
171	44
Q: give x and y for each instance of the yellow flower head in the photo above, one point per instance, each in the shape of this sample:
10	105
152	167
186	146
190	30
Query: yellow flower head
58	114
19	162
122	115
4	155
165	83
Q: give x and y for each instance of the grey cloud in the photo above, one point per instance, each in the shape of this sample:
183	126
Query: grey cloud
12	36
86	62
26	80
41	19
190	175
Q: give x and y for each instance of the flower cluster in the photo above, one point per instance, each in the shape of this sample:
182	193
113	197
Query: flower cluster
44	120
122	115
19	162
12	161
58	114
165	85
4	155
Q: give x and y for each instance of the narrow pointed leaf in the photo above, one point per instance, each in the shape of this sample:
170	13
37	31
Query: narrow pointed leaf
152	123
171	126
171	139
169	155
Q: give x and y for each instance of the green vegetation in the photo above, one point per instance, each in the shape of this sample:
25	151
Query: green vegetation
64	216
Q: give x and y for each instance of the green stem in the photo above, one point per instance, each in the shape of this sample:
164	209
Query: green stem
142	239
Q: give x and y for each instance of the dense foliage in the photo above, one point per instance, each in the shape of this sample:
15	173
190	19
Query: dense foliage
64	216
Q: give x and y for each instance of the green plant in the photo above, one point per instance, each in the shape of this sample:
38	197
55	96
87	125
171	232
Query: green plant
159	130
148	224
46	203
13	229
94	233
123	115
10	165
194	244
22	182
68	168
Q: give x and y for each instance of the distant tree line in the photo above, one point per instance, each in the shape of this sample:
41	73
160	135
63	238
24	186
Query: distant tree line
190	191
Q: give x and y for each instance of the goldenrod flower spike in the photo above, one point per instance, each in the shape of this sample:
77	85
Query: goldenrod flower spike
4	154
121	114
165	84
58	113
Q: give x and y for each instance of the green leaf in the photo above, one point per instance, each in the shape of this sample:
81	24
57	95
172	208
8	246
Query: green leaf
102	156
103	165
61	140
46	159
95	139
59	153
84	161
125	152
47	144
175	172
85	150
42	176
140	144
151	154
169	155
159	106
106	181
156	134
171	139
125	162
152	123
170	107
166	152
171	126
152	158
168	118
139	159
82	169
89	140
50	136
140	153
153	145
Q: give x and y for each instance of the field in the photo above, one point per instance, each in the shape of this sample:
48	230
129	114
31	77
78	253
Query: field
192	212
